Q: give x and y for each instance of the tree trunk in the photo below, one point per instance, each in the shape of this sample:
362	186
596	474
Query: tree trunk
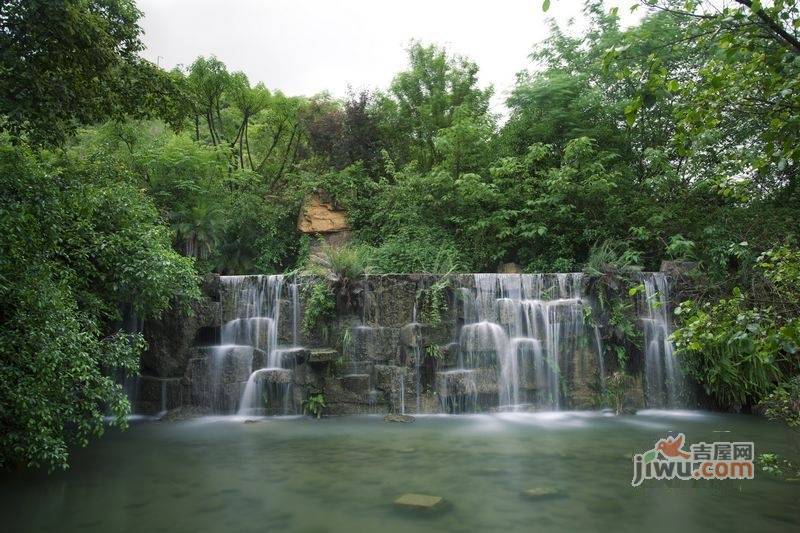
275	140
286	154
247	144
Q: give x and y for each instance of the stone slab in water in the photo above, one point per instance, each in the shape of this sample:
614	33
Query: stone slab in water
541	493
403	419
290	357
457	382
419	501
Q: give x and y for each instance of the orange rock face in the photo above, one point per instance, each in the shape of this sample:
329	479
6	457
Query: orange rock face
319	216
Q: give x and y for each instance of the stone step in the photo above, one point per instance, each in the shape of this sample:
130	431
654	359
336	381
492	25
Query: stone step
323	355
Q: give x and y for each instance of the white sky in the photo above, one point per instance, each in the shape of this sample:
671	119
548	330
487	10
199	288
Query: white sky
304	47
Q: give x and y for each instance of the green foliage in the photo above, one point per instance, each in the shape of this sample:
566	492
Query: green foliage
783	404
436	93
433	304
733	351
435	352
740	348
679	247
320	305
340	264
608	260
314	405
781	269
777	466
77	243
416	249
76	61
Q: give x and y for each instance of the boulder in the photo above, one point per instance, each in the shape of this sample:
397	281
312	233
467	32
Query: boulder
170	339
411	335
158	394
677	269
456	382
274	375
509	268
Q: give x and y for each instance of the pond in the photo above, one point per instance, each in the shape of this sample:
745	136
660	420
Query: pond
344	473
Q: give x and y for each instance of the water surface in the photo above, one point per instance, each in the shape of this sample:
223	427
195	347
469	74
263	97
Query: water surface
343	473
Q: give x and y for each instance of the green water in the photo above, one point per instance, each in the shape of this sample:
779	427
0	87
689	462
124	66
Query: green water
342	474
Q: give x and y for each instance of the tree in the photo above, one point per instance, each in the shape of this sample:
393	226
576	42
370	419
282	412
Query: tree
71	62
77	244
746	87
207	80
426	98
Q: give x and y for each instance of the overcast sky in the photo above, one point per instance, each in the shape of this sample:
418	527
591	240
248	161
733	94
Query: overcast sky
304	47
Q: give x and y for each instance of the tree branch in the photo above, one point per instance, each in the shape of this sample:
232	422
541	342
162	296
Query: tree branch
776	28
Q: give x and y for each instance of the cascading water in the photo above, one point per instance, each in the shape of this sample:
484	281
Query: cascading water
526	326
663	377
249	347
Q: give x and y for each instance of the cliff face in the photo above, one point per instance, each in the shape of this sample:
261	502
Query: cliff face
395	343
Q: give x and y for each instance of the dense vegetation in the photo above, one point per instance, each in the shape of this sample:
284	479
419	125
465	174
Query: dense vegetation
677	138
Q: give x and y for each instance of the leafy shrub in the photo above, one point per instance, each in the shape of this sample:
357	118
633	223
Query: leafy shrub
320	305
615	387
340	264
733	351
314	405
611	259
417	249
433	305
783	404
680	247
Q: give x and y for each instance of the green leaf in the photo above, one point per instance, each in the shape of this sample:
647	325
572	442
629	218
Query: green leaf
545	5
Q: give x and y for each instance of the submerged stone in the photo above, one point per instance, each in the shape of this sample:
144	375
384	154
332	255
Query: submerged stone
403	419
542	493
419	501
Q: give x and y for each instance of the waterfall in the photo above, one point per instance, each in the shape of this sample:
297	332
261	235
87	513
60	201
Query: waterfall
247	369
663	376
295	313
402	393
526	326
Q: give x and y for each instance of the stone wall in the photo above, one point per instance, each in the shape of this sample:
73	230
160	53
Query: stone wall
364	360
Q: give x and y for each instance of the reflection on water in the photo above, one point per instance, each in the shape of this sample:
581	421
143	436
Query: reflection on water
342	474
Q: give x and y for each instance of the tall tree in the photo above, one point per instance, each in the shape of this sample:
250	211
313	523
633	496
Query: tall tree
71	62
426	99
